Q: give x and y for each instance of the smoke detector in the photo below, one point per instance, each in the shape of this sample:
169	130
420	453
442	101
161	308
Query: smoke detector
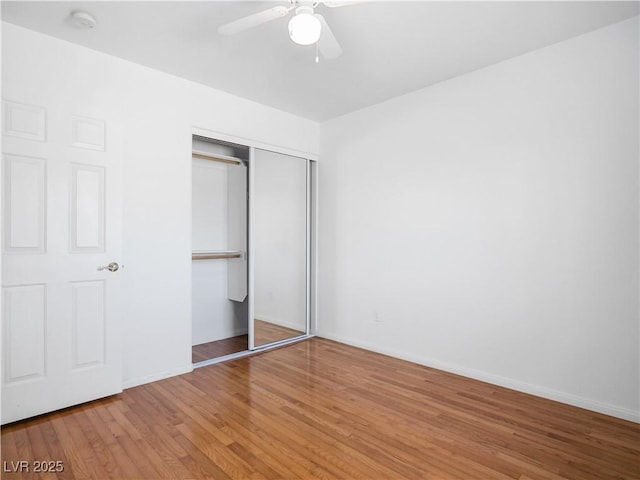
83	20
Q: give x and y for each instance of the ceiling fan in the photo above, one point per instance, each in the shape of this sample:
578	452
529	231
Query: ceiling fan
305	27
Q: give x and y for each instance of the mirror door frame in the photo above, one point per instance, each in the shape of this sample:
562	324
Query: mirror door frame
310	254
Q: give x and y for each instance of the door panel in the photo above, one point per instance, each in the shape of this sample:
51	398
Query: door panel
24	204
88	323
24	121
24	316
62	220
87	209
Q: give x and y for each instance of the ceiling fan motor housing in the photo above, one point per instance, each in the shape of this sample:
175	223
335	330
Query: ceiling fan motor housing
304	27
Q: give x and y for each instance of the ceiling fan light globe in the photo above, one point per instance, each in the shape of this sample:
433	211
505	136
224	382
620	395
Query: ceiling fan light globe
304	29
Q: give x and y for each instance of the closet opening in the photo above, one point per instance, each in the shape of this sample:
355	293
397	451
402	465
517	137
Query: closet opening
252	249
219	242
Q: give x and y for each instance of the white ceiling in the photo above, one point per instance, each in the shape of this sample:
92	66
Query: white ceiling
390	48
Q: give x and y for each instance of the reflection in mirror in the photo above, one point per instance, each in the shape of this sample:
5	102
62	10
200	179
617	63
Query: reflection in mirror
279	247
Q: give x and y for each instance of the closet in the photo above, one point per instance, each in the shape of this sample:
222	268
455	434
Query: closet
219	249
251	249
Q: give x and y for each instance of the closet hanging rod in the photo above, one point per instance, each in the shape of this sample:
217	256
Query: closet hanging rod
216	157
216	255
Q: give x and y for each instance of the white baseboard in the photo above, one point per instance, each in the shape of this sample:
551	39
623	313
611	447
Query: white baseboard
157	376
548	393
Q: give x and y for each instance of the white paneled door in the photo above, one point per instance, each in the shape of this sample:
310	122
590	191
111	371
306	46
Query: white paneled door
62	224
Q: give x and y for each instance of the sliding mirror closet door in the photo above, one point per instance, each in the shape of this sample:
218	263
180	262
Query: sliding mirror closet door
280	223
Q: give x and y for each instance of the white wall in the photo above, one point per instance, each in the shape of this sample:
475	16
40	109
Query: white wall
488	225
158	112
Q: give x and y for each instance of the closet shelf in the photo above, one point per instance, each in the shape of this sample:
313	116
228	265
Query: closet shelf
213	255
216	157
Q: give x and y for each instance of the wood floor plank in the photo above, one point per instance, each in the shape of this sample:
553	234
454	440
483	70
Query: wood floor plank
321	410
110	438
219	348
74	466
319	450
153	446
40	451
24	453
265	333
277	455
271	449
84	458
103	455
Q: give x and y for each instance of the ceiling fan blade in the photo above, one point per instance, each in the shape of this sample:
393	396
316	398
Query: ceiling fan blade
340	3
328	44
245	23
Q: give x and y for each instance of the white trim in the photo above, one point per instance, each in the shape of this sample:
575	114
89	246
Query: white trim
246	353
307	292
157	376
313	321
250	255
539	391
313	317
223	358
248	142
189	159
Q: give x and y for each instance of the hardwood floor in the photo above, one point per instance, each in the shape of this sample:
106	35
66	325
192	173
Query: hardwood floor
265	333
319	409
219	348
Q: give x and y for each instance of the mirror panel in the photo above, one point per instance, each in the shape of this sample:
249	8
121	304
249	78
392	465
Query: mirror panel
279	247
